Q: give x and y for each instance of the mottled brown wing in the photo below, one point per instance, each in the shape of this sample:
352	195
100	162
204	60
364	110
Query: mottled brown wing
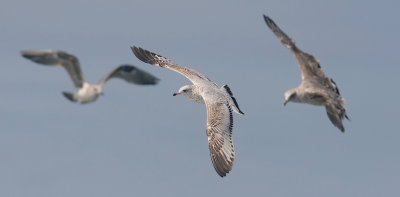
309	65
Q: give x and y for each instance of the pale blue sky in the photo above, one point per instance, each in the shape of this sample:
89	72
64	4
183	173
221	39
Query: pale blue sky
141	141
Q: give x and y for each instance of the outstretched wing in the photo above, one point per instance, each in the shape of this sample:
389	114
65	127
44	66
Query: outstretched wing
309	66
158	60
336	112
61	58
130	74
219	132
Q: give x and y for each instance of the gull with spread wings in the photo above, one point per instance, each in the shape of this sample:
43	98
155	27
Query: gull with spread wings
315	88
219	103
86	92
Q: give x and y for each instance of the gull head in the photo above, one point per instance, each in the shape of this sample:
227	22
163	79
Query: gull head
290	95
184	90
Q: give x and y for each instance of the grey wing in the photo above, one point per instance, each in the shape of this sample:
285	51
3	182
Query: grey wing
309	66
131	74
158	60
219	132
336	112
53	57
333	115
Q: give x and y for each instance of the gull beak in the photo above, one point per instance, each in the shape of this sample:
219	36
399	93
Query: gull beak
285	102
176	93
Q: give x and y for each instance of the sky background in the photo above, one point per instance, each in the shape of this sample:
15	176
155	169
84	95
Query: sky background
142	141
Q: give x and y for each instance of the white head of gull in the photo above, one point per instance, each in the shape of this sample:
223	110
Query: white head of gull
86	92
219	103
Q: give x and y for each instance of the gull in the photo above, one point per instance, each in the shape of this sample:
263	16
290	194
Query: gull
219	103
315	88
86	92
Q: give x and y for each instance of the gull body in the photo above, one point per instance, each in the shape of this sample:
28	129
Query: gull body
86	92
219	102
315	88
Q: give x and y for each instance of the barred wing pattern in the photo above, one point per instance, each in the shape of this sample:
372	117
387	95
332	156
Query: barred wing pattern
158	60
219	132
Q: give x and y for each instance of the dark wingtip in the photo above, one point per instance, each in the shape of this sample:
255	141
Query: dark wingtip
26	54
153	82
69	96
222	172
268	20
140	54
133	48
135	51
127	67
222	175
265	17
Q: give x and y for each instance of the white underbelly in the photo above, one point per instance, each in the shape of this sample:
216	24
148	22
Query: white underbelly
86	96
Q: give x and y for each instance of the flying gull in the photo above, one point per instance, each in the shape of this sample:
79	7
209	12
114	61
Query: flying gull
219	103
315	88
86	92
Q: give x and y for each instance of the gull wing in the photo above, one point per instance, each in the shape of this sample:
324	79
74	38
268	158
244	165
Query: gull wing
219	132
309	65
130	74
158	60
336	112
58	58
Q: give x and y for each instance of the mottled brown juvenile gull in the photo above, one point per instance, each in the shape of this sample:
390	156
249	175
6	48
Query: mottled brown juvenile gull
219	103
315	88
86	92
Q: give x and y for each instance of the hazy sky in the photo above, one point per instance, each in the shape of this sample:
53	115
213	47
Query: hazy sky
142	141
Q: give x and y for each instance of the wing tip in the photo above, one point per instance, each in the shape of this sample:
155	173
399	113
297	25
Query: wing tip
149	79
25	54
135	50
269	21
150	57
139	53
222	170
220	161
69	96
265	17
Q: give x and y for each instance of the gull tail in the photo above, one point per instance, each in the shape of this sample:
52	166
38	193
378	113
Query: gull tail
233	103
69	96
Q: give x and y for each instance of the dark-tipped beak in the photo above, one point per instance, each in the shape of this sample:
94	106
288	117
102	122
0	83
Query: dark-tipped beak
175	94
285	102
